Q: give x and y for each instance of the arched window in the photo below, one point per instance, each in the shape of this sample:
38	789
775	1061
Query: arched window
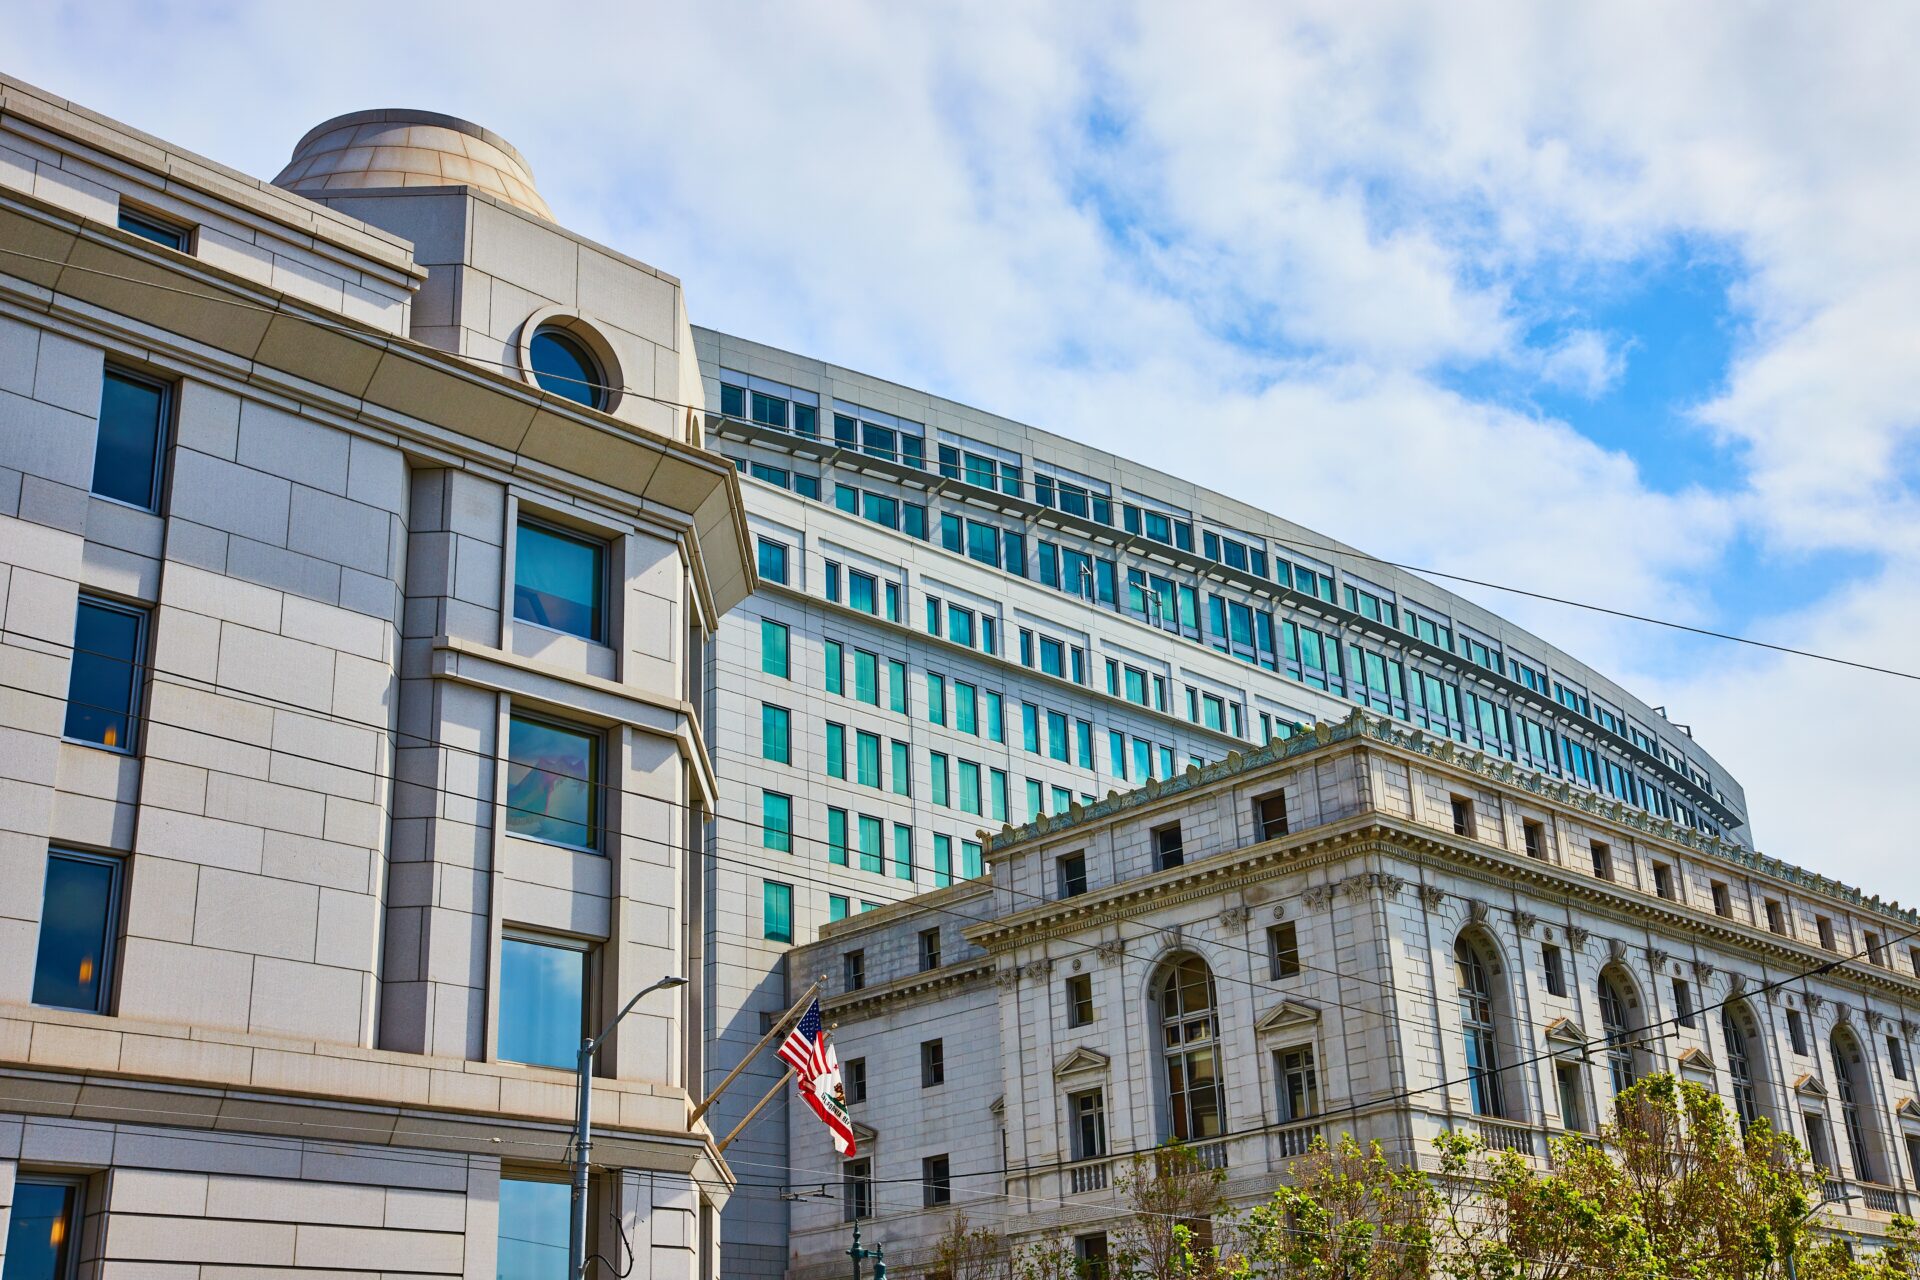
1734	1023
1477	1025
1619	1021
1189	1035
1850	1082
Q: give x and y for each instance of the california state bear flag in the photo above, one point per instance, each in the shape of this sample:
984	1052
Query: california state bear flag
816	1074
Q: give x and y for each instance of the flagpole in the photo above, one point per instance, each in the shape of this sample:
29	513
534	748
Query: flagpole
766	1039
764	1100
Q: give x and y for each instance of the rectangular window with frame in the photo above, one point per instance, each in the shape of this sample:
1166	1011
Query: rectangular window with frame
853	971
1079	994
1796	1031
1683	1003
1534	835
553	782
1299	1084
1072	874
855	1080
543	1000
774	655
132	438
1553	967
1663	881
1573	1108
1602	860
534	1221
776	822
106	673
79	927
1270	813
1087	1112
776	911
43	1231
1283	950
936	1184
776	734
1777	920
929	949
560	580
933	1063
152	226
1463	817
772	562
1168	849
856	1190
1722	900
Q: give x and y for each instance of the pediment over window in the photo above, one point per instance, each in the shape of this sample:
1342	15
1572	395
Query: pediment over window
1082	1061
1566	1033
864	1135
1695	1059
1288	1015
1809	1085
998	1106
1909	1109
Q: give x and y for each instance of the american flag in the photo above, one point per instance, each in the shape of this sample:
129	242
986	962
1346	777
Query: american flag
816	1073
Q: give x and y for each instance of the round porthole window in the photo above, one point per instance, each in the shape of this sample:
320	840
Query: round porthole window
563	366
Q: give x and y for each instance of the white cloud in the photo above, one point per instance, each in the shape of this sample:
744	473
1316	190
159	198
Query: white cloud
1583	363
1258	229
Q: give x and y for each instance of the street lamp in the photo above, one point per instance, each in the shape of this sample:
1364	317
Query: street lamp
583	1127
878	1253
1793	1243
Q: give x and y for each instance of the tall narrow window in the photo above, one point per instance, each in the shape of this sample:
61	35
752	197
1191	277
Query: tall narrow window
936	1183
1535	835
1851	1083
132	439
1602	860
776	916
543	990
1088	1114
776	821
1188	1047
1740	1067
1573	1102
553	782
1477	1025
1079	999
1072	874
105	674
775	734
929	949
1463	817
773	648
1683	1002
78	920
1283	950
42	1228
933	1063
1271	813
1618	1026
1168	848
857	1189
1554	969
560	581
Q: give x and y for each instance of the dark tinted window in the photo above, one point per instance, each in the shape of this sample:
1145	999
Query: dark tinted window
40	1237
126	455
562	367
103	681
76	931
154	229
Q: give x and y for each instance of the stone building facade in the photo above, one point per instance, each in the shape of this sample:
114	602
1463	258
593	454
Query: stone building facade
1364	929
351	756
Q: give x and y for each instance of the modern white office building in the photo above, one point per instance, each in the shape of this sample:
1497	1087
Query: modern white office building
1365	929
359	560
964	622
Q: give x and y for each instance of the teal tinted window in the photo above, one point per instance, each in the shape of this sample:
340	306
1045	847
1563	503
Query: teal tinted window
776	821
131	439
533	1229
872	856
562	367
866	677
542	1002
81	900
775	734
837	837
836	907
773	561
776	911
154	229
867	759
559	581
773	648
103	678
40	1234
553	783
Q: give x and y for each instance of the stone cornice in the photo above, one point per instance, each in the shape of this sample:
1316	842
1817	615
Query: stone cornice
868	1001
1361	730
195	316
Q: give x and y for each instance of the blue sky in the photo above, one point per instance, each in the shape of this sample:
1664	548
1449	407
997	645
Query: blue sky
1618	301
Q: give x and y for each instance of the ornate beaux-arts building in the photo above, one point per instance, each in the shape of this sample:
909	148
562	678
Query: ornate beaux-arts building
1364	929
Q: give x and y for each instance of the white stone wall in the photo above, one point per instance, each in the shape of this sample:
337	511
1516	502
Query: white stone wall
1378	912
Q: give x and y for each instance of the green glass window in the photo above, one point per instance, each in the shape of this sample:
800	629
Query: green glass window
936	699
942	861
969	786
966	708
997	794
1030	726
560	581
902	770
937	770
971	864
553	783
776	911
776	821
866	680
773	561
872	856
996	728
836	750
775	734
867	759
836	907
837	837
860	592
835	665
902	851
773	648
1057	735
897	685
